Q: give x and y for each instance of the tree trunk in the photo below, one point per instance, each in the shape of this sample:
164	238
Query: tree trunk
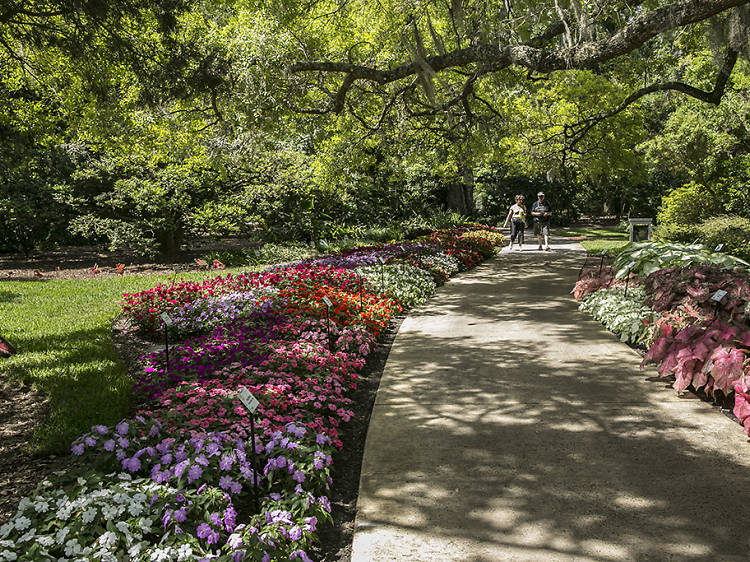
169	244
460	195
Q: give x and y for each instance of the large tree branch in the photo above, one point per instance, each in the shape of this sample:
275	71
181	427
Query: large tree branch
575	132
531	55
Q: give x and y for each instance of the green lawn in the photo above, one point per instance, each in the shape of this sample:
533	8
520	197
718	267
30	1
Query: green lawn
62	329
597	238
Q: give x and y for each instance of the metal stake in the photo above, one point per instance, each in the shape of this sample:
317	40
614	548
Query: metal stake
166	346
254	463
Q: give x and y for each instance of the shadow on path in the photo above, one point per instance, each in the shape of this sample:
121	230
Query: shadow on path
509	426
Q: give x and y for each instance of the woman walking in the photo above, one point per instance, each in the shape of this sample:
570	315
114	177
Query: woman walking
517	217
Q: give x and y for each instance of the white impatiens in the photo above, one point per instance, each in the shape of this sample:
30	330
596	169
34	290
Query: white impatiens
94	522
407	284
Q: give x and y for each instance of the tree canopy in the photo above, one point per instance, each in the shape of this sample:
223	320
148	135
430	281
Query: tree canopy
145	123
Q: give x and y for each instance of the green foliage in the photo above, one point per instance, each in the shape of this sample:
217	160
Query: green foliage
689	204
647	257
625	316
676	232
282	253
731	231
267	254
408	284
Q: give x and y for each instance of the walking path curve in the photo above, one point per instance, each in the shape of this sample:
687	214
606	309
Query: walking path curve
510	426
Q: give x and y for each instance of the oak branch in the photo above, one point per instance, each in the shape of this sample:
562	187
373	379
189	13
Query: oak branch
538	57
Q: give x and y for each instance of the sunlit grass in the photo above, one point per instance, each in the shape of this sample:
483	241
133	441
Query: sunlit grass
62	329
593	231
596	246
597	238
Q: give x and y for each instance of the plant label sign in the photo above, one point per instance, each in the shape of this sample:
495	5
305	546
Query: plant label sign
248	400
381	260
6	348
166	319
718	295
327	301
718	248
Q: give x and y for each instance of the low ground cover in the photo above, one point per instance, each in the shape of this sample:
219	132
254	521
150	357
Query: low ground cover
189	452
596	238
63	327
688	308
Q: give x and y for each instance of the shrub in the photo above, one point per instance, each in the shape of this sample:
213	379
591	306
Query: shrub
688	204
682	233
732	231
282	253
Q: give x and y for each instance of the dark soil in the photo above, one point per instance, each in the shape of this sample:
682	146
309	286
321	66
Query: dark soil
21	412
80	262
336	539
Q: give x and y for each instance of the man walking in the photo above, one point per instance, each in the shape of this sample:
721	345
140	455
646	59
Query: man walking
541	211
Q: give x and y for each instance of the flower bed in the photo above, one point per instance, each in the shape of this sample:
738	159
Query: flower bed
180	480
691	332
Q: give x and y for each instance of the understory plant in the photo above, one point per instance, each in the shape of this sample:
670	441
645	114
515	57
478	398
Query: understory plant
707	356
648	257
624	315
407	284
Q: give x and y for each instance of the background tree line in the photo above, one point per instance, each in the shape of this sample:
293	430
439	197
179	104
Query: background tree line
145	124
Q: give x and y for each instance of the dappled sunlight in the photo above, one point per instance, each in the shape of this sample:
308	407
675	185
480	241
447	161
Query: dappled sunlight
523	439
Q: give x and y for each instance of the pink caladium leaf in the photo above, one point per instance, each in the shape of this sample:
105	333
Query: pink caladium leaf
700	379
684	374
742	403
699	293
725	366
657	351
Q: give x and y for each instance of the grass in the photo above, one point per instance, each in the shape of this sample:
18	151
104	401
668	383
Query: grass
62	330
597	238
593	231
598	245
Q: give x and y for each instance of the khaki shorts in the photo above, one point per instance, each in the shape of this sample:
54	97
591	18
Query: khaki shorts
541	228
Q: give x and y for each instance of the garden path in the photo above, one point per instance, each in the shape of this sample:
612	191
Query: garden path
510	426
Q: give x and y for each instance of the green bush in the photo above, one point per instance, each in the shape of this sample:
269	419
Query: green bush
682	233
282	253
231	258
689	204
732	231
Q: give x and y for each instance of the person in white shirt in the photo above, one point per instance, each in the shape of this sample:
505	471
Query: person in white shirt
517	218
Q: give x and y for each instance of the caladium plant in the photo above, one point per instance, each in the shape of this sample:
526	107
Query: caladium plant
593	279
742	399
708	355
693	289
626	316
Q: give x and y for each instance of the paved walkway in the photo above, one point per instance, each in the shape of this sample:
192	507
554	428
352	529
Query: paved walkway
510	426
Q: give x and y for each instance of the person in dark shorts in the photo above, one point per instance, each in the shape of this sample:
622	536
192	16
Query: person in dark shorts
517	218
540	212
